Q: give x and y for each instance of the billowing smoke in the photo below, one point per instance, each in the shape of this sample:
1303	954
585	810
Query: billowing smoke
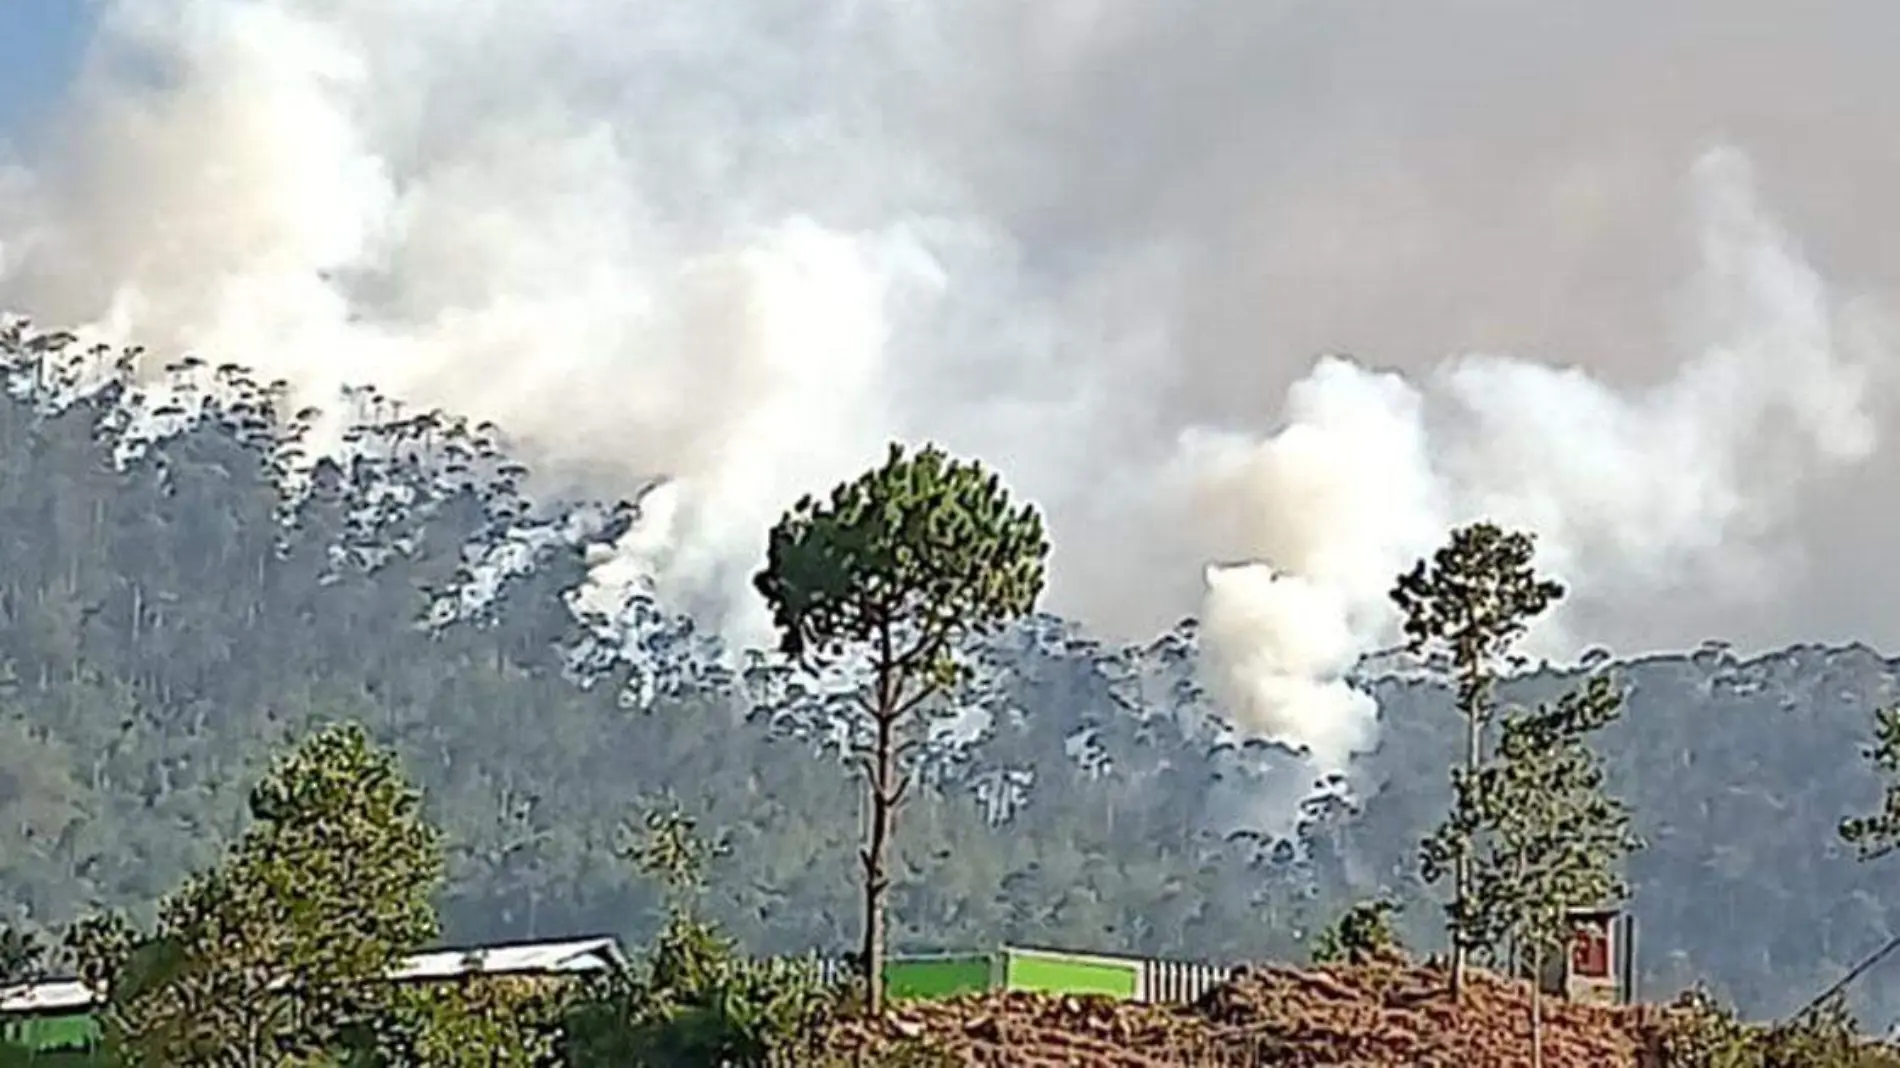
1328	511
734	248
651	238
1682	489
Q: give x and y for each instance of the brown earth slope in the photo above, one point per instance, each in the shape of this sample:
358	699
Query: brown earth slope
1368	1017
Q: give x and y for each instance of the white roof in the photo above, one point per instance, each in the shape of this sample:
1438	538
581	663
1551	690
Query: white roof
64	995
575	956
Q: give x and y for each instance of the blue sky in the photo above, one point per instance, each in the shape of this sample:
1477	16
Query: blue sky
40	41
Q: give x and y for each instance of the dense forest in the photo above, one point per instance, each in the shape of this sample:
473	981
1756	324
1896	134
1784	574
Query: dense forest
182	592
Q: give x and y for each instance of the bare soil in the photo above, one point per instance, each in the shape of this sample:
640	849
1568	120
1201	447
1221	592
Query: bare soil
1376	1016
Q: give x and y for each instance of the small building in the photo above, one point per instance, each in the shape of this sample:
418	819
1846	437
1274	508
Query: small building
1600	966
48	1017
61	1015
581	956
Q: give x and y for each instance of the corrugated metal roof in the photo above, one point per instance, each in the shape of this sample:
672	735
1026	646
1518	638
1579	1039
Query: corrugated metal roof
61	996
577	956
534	958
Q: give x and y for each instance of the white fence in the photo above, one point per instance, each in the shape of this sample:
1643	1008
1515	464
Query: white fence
1171	982
834	969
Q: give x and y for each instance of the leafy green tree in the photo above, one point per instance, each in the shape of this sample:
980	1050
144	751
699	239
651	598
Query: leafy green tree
1363	934
1551	839
475	1021
895	567
271	957
695	999
1470	604
670	849
23	956
1826	1035
1698	1031
100	945
1701	1032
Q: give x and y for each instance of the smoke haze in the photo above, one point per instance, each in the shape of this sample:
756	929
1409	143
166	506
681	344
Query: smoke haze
1108	247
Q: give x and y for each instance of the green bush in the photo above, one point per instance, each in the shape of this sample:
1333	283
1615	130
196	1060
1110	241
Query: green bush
1702	1033
1363	934
696	1001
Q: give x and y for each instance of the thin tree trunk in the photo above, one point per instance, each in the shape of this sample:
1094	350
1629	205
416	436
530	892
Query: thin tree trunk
1460	953
876	879
1537	1010
883	798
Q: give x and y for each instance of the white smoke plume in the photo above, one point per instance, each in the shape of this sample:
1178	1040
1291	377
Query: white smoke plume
1678	490
569	222
740	246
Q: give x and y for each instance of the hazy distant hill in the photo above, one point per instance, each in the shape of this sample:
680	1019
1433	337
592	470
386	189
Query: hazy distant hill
165	622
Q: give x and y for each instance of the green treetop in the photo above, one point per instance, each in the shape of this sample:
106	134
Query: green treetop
895	567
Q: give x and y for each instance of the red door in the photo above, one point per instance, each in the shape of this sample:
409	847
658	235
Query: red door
1590	951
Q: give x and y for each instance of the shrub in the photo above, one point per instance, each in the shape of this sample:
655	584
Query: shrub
1363	934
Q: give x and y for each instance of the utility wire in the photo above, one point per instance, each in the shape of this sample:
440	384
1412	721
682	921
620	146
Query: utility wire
1855	973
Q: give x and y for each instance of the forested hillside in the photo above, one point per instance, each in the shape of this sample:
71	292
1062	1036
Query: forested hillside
176	601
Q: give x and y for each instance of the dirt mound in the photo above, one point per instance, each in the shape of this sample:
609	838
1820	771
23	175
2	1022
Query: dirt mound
1403	1016
1370	1017
1035	1031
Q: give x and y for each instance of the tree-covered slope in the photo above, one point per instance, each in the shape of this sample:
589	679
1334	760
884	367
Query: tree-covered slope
174	608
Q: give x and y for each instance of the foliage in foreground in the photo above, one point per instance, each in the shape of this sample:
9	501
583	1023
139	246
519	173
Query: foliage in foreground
1557	841
695	998
23	956
1467	607
474	1022
1700	1032
1363	934
278	954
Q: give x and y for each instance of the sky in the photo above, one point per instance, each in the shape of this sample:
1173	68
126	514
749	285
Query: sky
1279	289
40	43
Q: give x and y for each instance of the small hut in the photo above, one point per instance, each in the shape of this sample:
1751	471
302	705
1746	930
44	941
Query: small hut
1600	966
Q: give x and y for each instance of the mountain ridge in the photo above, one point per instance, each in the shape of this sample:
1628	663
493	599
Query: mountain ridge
168	619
